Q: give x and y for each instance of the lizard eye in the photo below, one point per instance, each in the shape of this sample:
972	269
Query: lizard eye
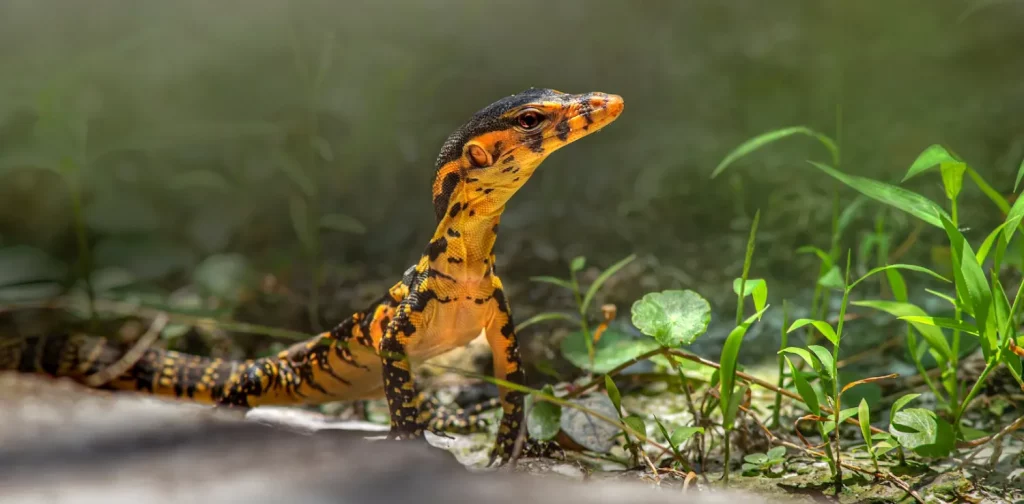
530	119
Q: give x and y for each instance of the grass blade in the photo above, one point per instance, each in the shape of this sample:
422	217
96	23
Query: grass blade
1013	218
911	267
1020	173
931	333
971	283
823	327
763	139
948	323
992	194
602	278
804	389
933	156
898	197
565	284
730	354
544	317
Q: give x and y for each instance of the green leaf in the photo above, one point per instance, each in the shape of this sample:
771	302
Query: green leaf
827	363
23	264
822	255
832	279
198	180
1020	173
864	418
602	278
577	264
730	354
1013	218
636	423
322	147
683	434
823	327
756	286
948	323
343	223
565	284
300	221
805	390
756	458
910	267
970	279
673	318
897	285
293	170
612	350
930	157
992	194
545	420
776	453
930	332
986	246
766	138
806	355
908	201
664	432
729	413
613	392
952	177
224	275
111	278
923	431
844	415
949	299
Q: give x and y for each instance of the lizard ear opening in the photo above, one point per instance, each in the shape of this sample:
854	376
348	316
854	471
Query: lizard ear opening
478	156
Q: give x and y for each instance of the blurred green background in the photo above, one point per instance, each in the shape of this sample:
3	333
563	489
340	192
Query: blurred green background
270	161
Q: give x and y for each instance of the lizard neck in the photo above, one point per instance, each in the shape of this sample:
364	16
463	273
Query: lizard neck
463	243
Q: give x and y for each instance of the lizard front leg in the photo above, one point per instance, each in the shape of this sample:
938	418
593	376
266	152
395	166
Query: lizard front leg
399	389
508	366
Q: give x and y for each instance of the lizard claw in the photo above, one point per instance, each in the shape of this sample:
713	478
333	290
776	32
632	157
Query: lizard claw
532	448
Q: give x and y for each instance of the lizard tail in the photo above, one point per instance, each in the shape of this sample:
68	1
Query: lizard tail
86	359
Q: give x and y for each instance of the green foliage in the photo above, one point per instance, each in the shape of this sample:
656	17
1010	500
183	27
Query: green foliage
911	313
673	318
897	197
1020	174
755	287
727	375
612	350
823	327
772	136
932	156
923	431
544	420
769	464
619	349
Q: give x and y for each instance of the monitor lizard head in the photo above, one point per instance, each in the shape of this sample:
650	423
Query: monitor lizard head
484	162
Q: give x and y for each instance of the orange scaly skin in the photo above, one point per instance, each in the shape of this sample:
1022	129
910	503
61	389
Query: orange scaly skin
444	301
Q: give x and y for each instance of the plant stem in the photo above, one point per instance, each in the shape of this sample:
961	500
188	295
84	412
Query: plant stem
958	316
81	236
776	421
837	397
989	366
584	326
912	345
725	441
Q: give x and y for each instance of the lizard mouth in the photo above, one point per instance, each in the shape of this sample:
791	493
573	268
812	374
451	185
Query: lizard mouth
589	113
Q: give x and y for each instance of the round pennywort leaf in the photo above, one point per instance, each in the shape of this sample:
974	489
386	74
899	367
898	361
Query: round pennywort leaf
543	422
673	318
